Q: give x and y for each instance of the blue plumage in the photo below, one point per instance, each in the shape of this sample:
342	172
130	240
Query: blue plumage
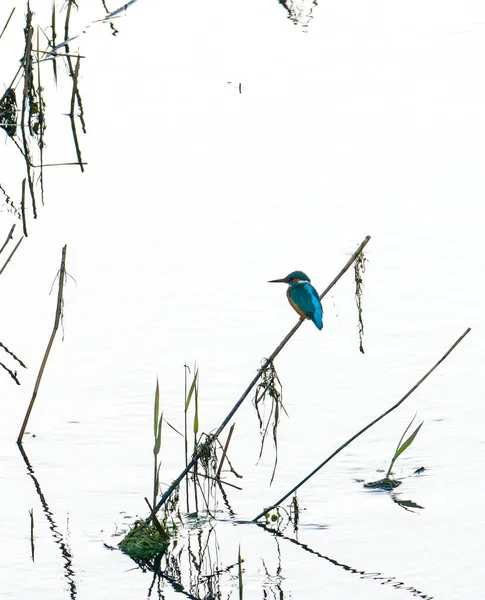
303	297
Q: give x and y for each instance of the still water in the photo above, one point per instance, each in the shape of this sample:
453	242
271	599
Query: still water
229	144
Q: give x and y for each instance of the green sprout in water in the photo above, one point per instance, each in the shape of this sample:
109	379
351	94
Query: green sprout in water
145	541
387	483
157	434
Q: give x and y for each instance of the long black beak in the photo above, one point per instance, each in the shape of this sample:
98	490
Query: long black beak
284	280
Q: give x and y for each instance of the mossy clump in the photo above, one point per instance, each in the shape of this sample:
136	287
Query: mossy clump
143	542
383	484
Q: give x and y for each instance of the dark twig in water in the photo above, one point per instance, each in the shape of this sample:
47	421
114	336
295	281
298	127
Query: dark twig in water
13	374
74	95
32	545
12	355
22	208
265	511
255	380
56	534
359	270
62	277
374	575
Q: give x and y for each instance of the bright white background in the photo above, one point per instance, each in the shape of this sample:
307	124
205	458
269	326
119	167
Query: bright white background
369	121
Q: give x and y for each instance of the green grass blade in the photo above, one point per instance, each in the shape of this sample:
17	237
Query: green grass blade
191	391
403	445
158	437
408	442
196	413
156	410
393	459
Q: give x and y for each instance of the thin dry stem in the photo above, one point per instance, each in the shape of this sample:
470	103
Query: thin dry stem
10	255
9	237
62	276
224	452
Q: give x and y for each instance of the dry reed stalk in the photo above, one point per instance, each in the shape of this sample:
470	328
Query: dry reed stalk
224	452
10	255
62	276
9	237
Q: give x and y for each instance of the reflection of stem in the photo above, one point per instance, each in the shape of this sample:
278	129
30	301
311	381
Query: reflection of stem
58	537
32	547
62	275
231	512
13	374
22	208
9	237
363	574
245	394
415	386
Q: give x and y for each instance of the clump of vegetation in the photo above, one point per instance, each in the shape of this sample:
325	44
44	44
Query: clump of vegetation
144	542
387	483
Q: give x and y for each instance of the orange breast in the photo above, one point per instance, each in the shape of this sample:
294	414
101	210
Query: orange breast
295	306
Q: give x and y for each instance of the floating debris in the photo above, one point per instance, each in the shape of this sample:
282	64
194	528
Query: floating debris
383	484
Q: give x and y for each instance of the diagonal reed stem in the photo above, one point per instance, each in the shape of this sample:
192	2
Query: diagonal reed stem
9	237
415	386
266	364
62	276
2	269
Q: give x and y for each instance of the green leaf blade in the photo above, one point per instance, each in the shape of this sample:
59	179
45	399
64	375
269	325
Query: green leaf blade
156	410
191	391
408	442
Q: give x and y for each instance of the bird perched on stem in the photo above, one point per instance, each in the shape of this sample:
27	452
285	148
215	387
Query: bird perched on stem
303	296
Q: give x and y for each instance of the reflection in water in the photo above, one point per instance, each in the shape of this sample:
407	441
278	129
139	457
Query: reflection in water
272	587
382	579
192	566
58	537
299	11
406	504
32	544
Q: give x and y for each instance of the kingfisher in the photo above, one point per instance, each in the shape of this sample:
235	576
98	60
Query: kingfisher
303	297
